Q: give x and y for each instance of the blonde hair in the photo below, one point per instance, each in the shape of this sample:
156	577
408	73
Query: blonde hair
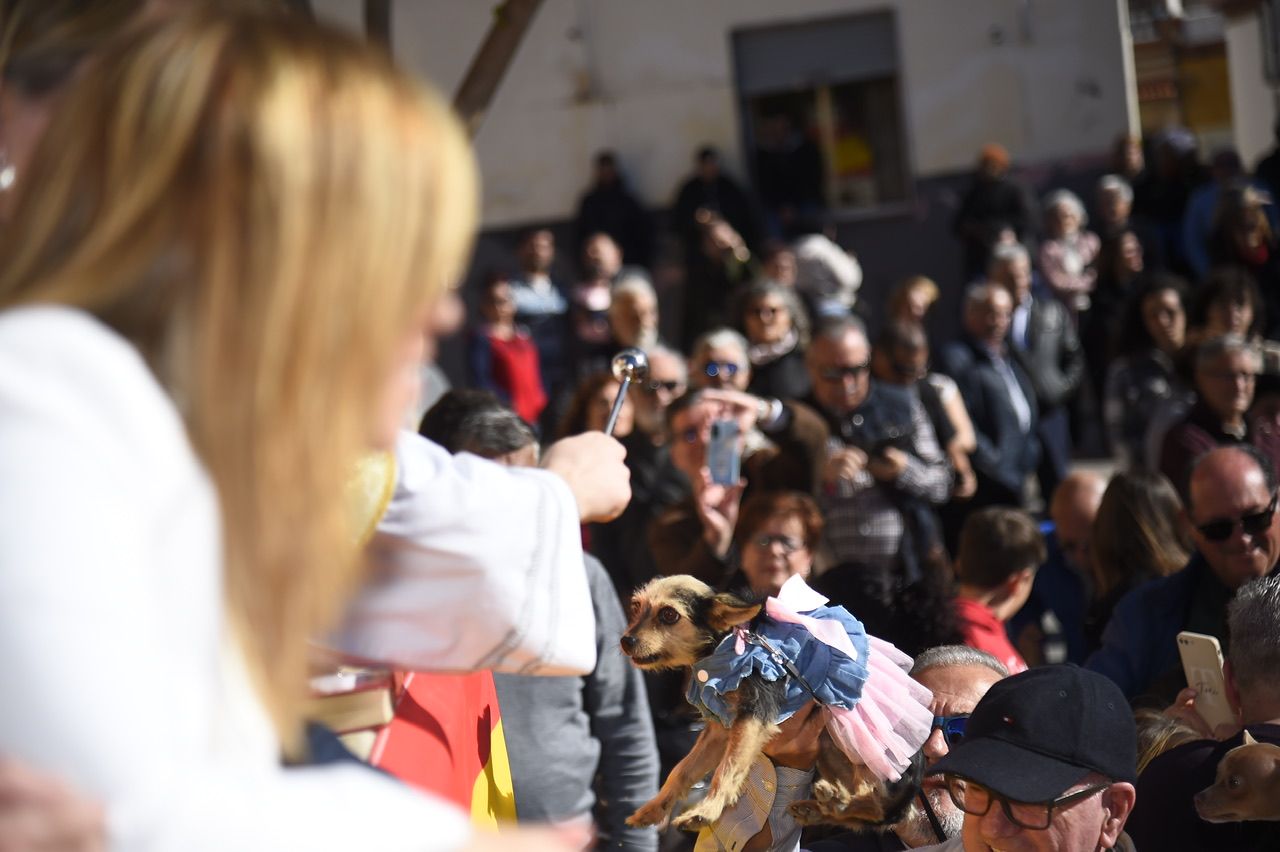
897	302
262	206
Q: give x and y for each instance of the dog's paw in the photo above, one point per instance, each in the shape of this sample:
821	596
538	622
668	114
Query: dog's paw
807	812
698	817
833	796
653	813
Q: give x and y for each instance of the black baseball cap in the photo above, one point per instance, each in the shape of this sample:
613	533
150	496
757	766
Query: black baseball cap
1036	734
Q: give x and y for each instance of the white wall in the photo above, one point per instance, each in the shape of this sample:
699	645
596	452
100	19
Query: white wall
653	79
1253	107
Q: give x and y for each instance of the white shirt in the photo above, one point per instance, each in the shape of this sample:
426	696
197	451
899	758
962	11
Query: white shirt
118	675
476	566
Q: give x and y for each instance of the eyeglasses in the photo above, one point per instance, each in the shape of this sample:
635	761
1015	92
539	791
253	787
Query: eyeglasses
789	544
1254	523
669	387
975	799
839	374
715	368
693	434
952	728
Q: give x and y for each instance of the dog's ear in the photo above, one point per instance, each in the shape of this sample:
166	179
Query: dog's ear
1248	738
728	611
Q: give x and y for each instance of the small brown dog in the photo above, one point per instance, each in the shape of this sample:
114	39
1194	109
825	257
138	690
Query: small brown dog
677	621
1247	786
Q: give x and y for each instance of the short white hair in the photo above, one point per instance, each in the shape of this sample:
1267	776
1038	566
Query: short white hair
1116	184
633	283
952	656
1008	253
718	338
1253	620
1067	198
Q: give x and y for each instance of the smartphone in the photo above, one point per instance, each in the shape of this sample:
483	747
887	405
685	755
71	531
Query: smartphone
1202	664
723	457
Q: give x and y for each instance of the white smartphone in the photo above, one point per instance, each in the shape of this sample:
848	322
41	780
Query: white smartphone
1202	663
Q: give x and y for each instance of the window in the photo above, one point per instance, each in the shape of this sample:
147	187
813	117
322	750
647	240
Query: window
822	114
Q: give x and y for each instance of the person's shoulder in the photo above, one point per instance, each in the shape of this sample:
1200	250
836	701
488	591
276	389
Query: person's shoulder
61	364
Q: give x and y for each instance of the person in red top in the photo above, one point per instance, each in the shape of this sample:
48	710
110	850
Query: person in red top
996	563
503	357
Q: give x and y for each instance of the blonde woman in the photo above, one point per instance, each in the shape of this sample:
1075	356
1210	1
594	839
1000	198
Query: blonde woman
213	292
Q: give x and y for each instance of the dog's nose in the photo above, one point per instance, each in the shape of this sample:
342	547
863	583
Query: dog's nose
628	643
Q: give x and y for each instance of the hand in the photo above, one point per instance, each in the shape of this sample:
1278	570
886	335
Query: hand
40	814
742	407
1183	708
592	464
796	744
888	465
843	465
717	507
966	482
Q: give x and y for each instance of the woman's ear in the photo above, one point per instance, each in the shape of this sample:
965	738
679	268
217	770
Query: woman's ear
728	611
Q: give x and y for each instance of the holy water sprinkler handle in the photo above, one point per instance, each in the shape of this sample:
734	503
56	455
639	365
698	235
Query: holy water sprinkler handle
629	365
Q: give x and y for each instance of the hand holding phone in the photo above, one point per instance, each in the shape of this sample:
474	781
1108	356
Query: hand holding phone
1202	663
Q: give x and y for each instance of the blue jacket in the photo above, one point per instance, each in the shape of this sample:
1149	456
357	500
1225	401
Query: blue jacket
1140	643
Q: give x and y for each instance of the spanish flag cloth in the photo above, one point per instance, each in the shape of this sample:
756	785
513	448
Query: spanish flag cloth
442	733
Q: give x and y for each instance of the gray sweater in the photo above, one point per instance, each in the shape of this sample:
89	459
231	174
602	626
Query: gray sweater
572	740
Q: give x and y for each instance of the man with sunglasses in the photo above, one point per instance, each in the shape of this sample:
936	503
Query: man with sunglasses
885	470
1048	762
1231	515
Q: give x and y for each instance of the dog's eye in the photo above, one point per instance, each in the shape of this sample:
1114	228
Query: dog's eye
1234	782
668	615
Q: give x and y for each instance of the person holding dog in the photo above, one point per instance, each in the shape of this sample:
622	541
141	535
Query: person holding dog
957	675
1048	762
1166	817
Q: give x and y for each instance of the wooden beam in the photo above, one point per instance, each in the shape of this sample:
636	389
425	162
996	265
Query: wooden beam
511	20
377	22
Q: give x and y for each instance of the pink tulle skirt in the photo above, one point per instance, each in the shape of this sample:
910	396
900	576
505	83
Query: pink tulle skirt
892	719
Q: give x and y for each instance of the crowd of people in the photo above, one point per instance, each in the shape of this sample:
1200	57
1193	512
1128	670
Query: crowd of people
216	231
930	485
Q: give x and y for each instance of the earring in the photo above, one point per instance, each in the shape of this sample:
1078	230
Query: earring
8	172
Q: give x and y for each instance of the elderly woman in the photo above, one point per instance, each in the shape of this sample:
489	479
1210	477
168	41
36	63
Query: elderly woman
777	331
777	535
1226	370
1068	252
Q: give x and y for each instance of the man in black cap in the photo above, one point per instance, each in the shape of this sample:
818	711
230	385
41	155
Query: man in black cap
1048	762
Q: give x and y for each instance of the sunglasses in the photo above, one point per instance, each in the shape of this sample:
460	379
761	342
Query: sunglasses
789	545
1254	523
669	387
716	368
839	374
952	728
